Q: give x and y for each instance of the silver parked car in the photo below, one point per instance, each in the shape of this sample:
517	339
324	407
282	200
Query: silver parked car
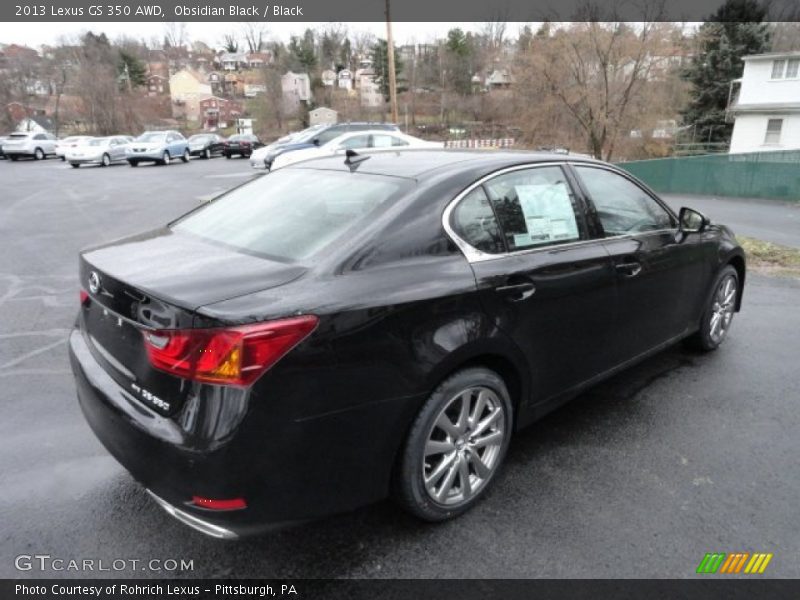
99	151
30	144
66	143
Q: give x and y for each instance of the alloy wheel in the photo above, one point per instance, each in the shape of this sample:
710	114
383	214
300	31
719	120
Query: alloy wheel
38	154
723	306
106	160
165	158
463	447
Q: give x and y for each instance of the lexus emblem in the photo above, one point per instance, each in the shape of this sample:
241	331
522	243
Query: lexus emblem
94	282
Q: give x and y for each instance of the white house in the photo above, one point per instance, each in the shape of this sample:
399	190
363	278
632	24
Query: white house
296	89
345	79
765	104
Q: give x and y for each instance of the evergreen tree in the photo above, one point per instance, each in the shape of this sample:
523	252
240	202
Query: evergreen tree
380	63
734	31
132	68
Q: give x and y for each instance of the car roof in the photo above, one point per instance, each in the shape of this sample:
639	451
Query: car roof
418	163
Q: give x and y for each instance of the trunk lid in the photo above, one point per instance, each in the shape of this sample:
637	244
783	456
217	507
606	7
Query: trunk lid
157	281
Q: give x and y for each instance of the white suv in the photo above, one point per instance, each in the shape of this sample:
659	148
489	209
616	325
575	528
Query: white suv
37	145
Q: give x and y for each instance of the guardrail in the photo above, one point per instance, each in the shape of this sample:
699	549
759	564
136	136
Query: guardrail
773	174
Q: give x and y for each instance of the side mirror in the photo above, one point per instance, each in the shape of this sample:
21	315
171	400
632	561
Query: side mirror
315	141
692	221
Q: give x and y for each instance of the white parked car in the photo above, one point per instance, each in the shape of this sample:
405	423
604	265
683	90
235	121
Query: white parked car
99	151
69	142
378	139
29	143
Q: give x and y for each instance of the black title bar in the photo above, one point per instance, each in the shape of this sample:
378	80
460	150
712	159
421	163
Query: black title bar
373	10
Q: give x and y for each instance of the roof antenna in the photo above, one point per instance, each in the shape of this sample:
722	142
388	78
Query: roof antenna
353	159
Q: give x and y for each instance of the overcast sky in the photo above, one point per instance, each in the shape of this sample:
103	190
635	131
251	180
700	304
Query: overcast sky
36	34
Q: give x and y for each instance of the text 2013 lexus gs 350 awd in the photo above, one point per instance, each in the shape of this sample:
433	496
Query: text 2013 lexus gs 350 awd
380	324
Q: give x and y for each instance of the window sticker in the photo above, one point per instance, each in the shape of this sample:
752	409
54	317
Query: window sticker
548	213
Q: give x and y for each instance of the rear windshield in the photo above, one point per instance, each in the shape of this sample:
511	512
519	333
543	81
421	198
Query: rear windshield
199	138
292	214
242	137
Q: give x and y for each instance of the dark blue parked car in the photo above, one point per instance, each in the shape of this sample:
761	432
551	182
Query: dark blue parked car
313	136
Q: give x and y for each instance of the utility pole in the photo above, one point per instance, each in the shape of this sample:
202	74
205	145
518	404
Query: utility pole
390	62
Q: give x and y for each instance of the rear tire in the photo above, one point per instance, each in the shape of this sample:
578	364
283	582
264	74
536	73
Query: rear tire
206	153
718	314
185	157
133	163
13	157
164	158
455	446
74	165
227	155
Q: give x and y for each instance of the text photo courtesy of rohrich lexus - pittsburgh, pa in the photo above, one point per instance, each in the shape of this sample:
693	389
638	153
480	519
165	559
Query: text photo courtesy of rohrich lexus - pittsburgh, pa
322	301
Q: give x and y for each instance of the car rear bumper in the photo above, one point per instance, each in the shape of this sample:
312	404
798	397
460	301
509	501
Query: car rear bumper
288	470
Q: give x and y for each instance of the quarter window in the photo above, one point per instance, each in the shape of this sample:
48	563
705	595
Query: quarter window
474	222
777	69
622	206
534	207
773	135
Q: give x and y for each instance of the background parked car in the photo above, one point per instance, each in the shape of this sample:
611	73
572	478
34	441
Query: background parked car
2	139
206	145
30	144
99	151
356	140
69	142
157	146
241	144
257	159
320	136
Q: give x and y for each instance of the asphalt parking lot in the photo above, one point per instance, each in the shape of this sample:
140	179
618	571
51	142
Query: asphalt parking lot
640	477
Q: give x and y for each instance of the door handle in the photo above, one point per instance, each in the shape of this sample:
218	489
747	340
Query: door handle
629	269
517	291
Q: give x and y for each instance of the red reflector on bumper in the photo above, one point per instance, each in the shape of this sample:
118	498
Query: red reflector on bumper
211	504
84	296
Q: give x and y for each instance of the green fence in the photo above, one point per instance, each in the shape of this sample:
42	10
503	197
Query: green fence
752	175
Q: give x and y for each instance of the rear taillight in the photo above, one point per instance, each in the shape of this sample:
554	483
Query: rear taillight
233	355
212	504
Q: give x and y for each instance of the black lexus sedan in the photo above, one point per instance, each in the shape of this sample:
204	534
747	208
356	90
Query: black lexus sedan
351	328
206	145
242	144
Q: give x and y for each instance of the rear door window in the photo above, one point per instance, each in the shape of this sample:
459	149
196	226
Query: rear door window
535	207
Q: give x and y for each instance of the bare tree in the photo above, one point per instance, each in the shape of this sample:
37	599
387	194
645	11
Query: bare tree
599	73
254	35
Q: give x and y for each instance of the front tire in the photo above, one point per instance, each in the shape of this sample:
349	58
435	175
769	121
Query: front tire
133	163
165	158
719	311
185	157
38	154
105	161
455	446
206	153
74	165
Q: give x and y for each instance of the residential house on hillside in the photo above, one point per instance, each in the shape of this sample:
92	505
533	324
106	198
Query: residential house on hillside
765	104
157	85
328	77
36	124
187	87
256	60
370	92
218	113
345	79
296	88
232	61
